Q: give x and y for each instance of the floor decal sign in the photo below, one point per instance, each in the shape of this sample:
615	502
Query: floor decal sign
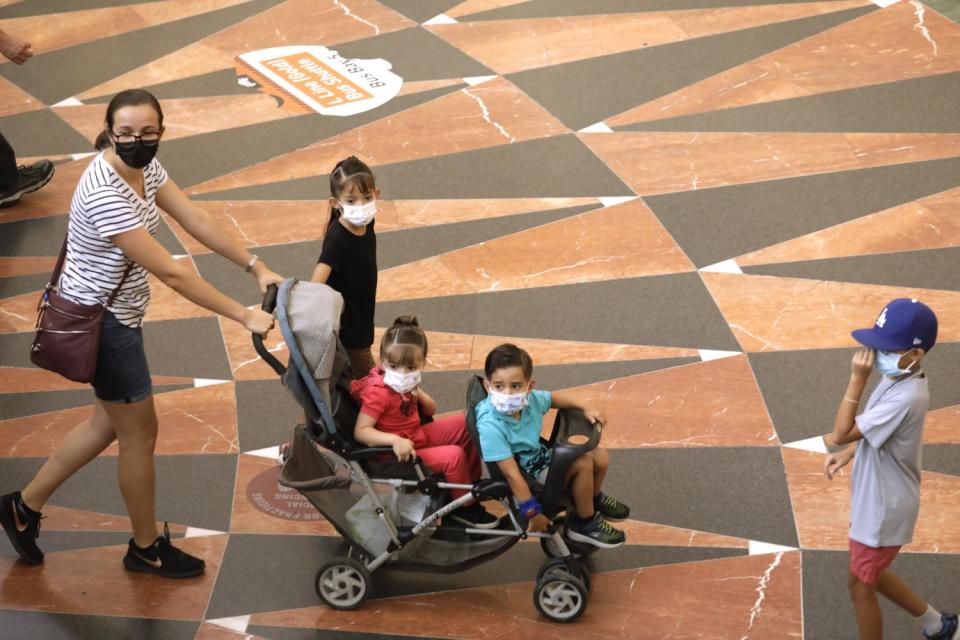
320	79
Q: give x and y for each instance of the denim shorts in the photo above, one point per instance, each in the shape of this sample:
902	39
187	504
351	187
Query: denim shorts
122	374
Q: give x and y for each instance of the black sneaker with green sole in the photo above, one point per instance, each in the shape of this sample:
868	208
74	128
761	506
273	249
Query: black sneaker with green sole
610	508
597	532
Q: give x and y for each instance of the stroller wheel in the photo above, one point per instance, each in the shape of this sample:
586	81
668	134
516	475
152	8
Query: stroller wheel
561	565
343	583
560	597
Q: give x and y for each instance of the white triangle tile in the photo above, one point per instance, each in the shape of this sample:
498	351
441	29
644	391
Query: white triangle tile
475	80
269	452
80	156
711	354
600	127
69	102
815	445
884	3
609	201
727	266
236	623
196	532
207	382
761	548
440	19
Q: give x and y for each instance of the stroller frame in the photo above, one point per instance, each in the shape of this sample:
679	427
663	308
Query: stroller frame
562	586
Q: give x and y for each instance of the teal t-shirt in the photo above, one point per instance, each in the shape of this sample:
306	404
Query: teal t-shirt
502	436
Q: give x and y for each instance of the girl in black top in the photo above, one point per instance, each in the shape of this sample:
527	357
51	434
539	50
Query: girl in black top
348	260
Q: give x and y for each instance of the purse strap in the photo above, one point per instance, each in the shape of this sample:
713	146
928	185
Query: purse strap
58	270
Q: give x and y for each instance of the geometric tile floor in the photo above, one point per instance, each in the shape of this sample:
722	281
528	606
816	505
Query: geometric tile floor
680	208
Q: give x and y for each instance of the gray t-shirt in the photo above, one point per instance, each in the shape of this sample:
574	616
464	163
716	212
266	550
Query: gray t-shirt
885	497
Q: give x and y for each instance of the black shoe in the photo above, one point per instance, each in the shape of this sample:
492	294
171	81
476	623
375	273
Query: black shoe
13	512
475	516
162	559
596	531
28	179
949	630
610	508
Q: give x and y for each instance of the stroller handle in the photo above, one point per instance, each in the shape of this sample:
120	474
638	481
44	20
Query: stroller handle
268	305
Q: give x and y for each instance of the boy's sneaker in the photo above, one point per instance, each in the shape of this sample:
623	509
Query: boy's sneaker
475	517
596	531
22	526
162	559
610	508
949	631
28	179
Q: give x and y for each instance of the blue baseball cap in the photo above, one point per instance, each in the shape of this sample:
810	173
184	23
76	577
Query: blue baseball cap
904	323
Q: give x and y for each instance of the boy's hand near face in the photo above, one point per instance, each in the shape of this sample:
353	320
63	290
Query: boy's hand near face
862	364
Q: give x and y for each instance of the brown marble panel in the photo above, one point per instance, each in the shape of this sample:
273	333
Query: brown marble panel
489	114
187	116
547	352
53	199
943	426
51	31
409	88
768	313
245	364
248	518
424	213
294	21
93	582
622	241
821	507
476	6
192	421
757	596
653	163
25	265
67	519
13	99
706	404
28	380
661	535
902	41
508	46
928	223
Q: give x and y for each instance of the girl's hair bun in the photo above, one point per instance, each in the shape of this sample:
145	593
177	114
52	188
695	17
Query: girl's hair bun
406	321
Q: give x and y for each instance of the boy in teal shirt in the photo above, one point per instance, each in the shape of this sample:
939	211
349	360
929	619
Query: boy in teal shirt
509	421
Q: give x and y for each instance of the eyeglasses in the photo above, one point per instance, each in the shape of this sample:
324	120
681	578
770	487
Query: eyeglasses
147	137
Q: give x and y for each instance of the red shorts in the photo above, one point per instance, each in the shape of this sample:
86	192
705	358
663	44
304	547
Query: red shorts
867	563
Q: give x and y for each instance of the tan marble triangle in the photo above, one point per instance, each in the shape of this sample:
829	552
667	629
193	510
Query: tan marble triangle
508	46
653	163
476	6
212	631
185	117
68	519
900	42
409	88
706	404
928	223
248	518
31	380
51	31
489	114
93	582
323	22
821	507
11	266
622	241
768	313
451	351
53	199
192	421
669	599
942	426
14	100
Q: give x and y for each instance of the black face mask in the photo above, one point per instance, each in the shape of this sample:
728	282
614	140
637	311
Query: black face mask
136	154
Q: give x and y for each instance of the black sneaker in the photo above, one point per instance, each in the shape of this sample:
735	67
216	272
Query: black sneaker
949	630
28	179
475	517
22	527
162	559
610	508
597	532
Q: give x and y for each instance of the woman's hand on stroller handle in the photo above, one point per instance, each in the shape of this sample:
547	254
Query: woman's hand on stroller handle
258	322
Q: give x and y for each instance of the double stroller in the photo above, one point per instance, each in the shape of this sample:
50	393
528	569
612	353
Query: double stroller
392	513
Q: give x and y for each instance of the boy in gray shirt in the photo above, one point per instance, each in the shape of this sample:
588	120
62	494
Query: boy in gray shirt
887	441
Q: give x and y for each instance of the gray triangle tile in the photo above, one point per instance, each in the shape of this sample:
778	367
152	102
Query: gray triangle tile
942	458
29	625
215	83
420	10
41	133
44	7
551	8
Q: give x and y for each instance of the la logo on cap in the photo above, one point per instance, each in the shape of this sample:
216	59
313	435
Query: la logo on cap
882	320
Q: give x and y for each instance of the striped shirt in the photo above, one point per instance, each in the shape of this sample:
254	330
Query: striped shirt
104	205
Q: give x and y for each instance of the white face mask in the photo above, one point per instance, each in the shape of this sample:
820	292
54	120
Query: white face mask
359	215
508	403
401	382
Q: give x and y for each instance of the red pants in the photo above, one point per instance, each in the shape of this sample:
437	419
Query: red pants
450	451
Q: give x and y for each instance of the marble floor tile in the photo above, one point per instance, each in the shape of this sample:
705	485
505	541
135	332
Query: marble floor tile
25	380
13	99
25	265
942	426
476	6
54	199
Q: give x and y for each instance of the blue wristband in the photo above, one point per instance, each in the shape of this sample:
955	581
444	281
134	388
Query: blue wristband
530	508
